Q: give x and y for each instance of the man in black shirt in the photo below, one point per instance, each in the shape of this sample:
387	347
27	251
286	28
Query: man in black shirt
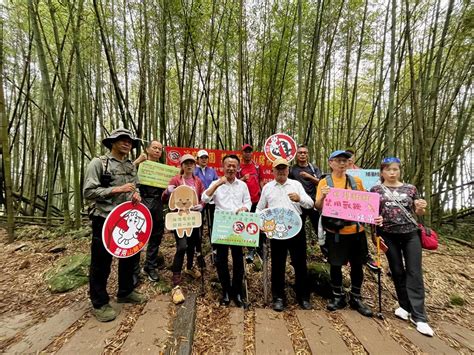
308	175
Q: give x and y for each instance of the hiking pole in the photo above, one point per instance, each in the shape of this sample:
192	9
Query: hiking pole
379	274
201	262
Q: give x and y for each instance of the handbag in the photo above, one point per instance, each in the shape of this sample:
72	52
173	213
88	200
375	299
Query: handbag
428	237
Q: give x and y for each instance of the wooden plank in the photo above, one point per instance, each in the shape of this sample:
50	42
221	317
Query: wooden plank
149	334
271	333
320	334
428	345
10	324
183	327
374	339
41	335
462	335
92	337
237	327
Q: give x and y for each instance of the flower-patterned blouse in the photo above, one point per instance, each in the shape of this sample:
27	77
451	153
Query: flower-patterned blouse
394	219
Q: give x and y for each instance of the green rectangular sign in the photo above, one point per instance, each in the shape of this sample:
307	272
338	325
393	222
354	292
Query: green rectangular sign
155	174
240	229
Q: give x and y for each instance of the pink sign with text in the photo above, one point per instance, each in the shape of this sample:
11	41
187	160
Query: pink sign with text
352	205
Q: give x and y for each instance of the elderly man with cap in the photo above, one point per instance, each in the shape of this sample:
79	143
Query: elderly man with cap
229	194
151	196
345	242
207	176
252	174
109	181
286	193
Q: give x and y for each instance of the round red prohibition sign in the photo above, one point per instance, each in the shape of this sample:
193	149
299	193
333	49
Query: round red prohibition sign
280	145
252	228
174	156
238	227
127	229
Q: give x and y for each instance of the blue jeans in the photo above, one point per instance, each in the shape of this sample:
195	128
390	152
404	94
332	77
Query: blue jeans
404	259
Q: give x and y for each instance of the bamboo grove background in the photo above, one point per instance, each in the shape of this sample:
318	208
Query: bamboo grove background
386	77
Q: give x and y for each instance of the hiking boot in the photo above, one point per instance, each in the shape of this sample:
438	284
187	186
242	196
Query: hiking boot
250	256
105	313
402	314
305	304
357	304
133	297
177	295
194	273
152	275
225	300
423	327
239	302
337	303
278	305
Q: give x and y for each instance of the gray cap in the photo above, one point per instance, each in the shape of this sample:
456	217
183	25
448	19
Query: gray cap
120	132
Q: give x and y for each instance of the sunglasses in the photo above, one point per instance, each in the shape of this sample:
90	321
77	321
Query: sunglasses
391	160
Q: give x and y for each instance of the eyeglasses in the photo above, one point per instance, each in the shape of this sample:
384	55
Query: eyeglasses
391	160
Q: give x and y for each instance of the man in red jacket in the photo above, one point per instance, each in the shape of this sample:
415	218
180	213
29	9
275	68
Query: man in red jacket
251	173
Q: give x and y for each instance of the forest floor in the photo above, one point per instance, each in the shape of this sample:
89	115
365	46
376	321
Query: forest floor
447	273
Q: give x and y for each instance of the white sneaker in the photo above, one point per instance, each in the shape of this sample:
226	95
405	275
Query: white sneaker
423	328
401	313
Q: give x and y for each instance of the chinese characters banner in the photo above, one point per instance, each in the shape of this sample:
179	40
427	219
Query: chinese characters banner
215	159
352	205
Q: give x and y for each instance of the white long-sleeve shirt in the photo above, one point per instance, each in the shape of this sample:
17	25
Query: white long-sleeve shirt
230	196
275	194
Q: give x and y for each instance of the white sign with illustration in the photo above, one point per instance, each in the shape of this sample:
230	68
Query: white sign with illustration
184	220
280	223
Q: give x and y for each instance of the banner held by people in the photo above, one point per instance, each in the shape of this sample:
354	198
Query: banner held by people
352	205
369	177
127	229
240	229
151	173
280	223
183	199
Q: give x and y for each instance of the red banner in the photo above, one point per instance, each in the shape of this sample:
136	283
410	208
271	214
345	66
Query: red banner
215	159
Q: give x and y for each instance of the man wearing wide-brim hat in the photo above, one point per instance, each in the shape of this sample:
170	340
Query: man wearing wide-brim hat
109	181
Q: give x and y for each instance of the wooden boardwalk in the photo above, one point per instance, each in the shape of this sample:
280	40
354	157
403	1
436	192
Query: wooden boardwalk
153	332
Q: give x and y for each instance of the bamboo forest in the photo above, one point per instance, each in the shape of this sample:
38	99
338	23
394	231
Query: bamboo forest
390	78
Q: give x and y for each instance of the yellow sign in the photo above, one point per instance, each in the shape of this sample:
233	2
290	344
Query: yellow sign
155	174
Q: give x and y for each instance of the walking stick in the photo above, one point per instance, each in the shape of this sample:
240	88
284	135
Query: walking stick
201	262
379	274
245	285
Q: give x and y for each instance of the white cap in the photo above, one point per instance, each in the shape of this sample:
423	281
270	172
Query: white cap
202	153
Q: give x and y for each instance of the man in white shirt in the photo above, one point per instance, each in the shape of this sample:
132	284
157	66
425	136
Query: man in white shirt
286	193
229	194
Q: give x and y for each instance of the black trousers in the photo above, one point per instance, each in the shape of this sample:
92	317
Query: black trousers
186	245
279	250
404	259
99	270
156	208
222	265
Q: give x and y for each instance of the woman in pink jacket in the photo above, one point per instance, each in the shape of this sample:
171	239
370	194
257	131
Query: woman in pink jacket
185	244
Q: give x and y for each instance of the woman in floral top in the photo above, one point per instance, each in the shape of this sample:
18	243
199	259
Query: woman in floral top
400	234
